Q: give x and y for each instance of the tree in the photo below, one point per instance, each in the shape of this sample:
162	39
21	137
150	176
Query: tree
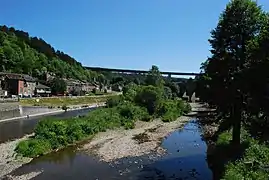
154	77
58	86
257	75
149	97
241	21
129	91
167	93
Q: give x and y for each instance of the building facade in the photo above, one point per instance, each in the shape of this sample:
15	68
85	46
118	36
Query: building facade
18	84
42	90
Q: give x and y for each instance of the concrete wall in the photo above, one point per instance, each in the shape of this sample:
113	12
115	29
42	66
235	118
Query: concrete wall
9	110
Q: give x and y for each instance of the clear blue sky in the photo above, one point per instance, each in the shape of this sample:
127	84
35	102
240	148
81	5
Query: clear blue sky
135	34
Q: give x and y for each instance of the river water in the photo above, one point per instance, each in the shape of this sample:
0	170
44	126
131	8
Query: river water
185	159
14	129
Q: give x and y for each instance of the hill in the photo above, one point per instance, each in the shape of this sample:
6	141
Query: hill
21	53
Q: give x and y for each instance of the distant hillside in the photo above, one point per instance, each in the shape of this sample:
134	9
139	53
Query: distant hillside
21	53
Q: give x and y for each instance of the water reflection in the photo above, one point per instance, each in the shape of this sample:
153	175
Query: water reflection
18	128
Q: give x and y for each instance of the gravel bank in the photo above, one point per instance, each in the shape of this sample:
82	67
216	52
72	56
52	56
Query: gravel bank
24	176
144	139
9	160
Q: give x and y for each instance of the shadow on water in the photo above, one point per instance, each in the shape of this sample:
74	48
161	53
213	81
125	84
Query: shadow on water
185	159
14	129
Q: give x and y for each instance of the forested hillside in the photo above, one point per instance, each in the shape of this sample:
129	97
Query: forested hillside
21	53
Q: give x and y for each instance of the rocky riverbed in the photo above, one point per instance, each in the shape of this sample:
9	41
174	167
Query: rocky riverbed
9	160
145	138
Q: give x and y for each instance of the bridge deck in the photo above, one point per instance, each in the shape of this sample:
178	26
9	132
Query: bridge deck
140	71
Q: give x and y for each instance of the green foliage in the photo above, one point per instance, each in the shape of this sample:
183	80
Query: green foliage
224	138
130	111
149	97
60	101
154	77
170	110
167	93
33	147
21	53
183	106
227	77
114	101
130	91
58	86
128	124
253	164
174	88
58	133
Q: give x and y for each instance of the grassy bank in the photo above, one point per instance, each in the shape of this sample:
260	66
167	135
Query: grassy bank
249	161
52	134
60	101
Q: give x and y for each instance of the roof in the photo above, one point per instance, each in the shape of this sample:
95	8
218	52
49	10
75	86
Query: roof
28	78
42	86
16	76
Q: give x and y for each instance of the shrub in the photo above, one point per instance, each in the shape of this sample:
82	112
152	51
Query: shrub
33	147
170	110
252	165
149	97
128	124
146	118
64	107
184	106
167	93
113	101
169	116
224	138
75	131
129	92
130	111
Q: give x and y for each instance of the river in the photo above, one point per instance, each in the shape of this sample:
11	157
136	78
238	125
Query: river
185	159
14	129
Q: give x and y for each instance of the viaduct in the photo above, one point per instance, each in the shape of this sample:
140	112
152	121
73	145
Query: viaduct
139	71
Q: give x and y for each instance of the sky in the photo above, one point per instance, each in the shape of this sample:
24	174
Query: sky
132	34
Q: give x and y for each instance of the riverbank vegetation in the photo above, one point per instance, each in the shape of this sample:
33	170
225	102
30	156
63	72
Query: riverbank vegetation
65	100
235	82
138	102
249	162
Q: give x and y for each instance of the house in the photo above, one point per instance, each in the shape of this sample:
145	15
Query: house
3	93
29	86
73	87
13	83
88	87
18	84
42	90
